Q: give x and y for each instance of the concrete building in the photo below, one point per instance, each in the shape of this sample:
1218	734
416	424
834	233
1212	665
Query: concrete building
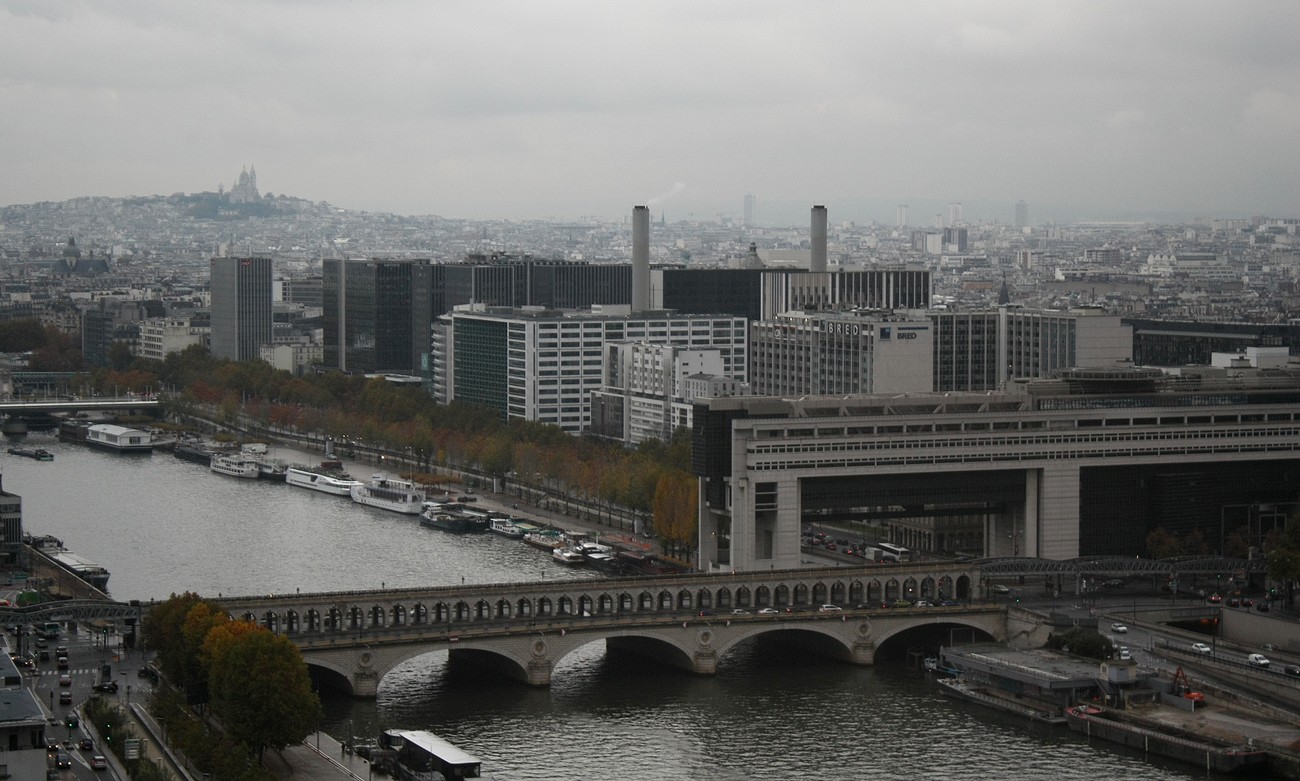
983	350
241	307
1086	464
11	530
1021	220
799	354
1181	342
650	389
543	365
160	336
296	359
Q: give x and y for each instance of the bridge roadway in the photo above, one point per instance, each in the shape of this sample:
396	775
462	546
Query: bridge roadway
525	629
47	406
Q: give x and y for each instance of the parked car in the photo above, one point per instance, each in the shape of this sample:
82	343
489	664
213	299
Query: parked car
1201	648
830	609
1123	654
1257	660
1118	629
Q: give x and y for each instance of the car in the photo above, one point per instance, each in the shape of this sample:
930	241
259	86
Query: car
1215	599
1292	669
998	588
44	655
1201	648
1257	660
108	687
900	603
923	603
41	642
62	760
1247	602
61	650
1123	654
830	609
87	744
98	762
1113	583
768	611
65	697
63	662
1119	629
705	613
740	612
1234	602
1262	607
65	680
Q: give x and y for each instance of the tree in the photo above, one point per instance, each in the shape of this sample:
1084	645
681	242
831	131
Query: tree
1162	545
261	690
1284	558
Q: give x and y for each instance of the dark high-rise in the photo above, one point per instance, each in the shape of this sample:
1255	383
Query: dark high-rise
241	307
377	314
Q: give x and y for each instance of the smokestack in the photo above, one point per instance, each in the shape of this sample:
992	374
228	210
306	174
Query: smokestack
818	260
640	259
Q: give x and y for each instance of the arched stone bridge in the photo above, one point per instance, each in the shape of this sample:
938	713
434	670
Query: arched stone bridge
525	629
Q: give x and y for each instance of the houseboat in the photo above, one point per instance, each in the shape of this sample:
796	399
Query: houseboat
505	526
107	436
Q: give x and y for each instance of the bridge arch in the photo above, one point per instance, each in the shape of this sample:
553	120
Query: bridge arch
723	598
420	613
524	608
376	616
684	600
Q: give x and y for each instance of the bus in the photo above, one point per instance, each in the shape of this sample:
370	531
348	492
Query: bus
50	630
891	552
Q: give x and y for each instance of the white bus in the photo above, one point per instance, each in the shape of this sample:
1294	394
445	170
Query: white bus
891	552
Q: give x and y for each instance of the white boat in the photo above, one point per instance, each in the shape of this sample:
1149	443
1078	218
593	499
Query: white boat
389	493
235	465
316	481
505	527
568	556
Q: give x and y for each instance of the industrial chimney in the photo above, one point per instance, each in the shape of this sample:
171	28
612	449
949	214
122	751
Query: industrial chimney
640	259
818	260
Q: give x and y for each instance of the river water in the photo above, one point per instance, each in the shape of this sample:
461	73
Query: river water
163	526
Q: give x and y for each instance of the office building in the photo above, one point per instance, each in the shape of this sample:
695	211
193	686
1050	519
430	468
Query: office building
377	314
1022	215
241	307
984	349
803	354
543	365
650	389
1085	464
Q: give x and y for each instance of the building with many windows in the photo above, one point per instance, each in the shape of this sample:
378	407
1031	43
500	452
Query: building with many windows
762	294
162	335
543	364
984	349
1085	464
241	307
649	389
801	354
376	314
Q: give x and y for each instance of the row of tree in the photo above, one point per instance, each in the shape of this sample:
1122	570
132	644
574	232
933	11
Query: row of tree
655	478
255	682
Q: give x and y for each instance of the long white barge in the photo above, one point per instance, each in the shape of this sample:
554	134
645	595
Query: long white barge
315	481
389	493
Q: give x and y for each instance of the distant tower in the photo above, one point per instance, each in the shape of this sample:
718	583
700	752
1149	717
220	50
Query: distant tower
749	210
938	220
954	213
817	261
640	259
1022	215
900	220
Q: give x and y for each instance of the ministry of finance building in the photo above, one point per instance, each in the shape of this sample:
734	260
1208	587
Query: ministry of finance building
1085	464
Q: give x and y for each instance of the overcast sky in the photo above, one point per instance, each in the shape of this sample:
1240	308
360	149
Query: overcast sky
557	109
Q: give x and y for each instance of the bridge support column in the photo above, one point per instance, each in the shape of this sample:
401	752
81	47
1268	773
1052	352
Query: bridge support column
365	683
539	672
864	653
13	426
706	662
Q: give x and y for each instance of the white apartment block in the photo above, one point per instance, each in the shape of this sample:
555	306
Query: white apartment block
162	335
543	365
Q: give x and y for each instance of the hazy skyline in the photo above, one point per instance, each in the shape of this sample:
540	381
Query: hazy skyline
562	109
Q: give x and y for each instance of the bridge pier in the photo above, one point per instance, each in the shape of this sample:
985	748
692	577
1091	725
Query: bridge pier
365	678
864	653
13	427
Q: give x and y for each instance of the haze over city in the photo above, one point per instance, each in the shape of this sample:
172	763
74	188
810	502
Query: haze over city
557	110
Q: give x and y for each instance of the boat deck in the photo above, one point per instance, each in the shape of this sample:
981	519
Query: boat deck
1224	723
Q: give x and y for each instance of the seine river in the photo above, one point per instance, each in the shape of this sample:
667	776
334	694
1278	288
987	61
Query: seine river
163	526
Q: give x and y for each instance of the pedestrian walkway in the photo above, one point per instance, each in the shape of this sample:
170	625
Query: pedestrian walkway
318	758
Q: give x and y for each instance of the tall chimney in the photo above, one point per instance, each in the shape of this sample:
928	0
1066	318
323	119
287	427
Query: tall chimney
818	260
640	258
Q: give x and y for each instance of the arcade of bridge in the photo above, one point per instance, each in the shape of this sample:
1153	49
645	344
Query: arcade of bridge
361	634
